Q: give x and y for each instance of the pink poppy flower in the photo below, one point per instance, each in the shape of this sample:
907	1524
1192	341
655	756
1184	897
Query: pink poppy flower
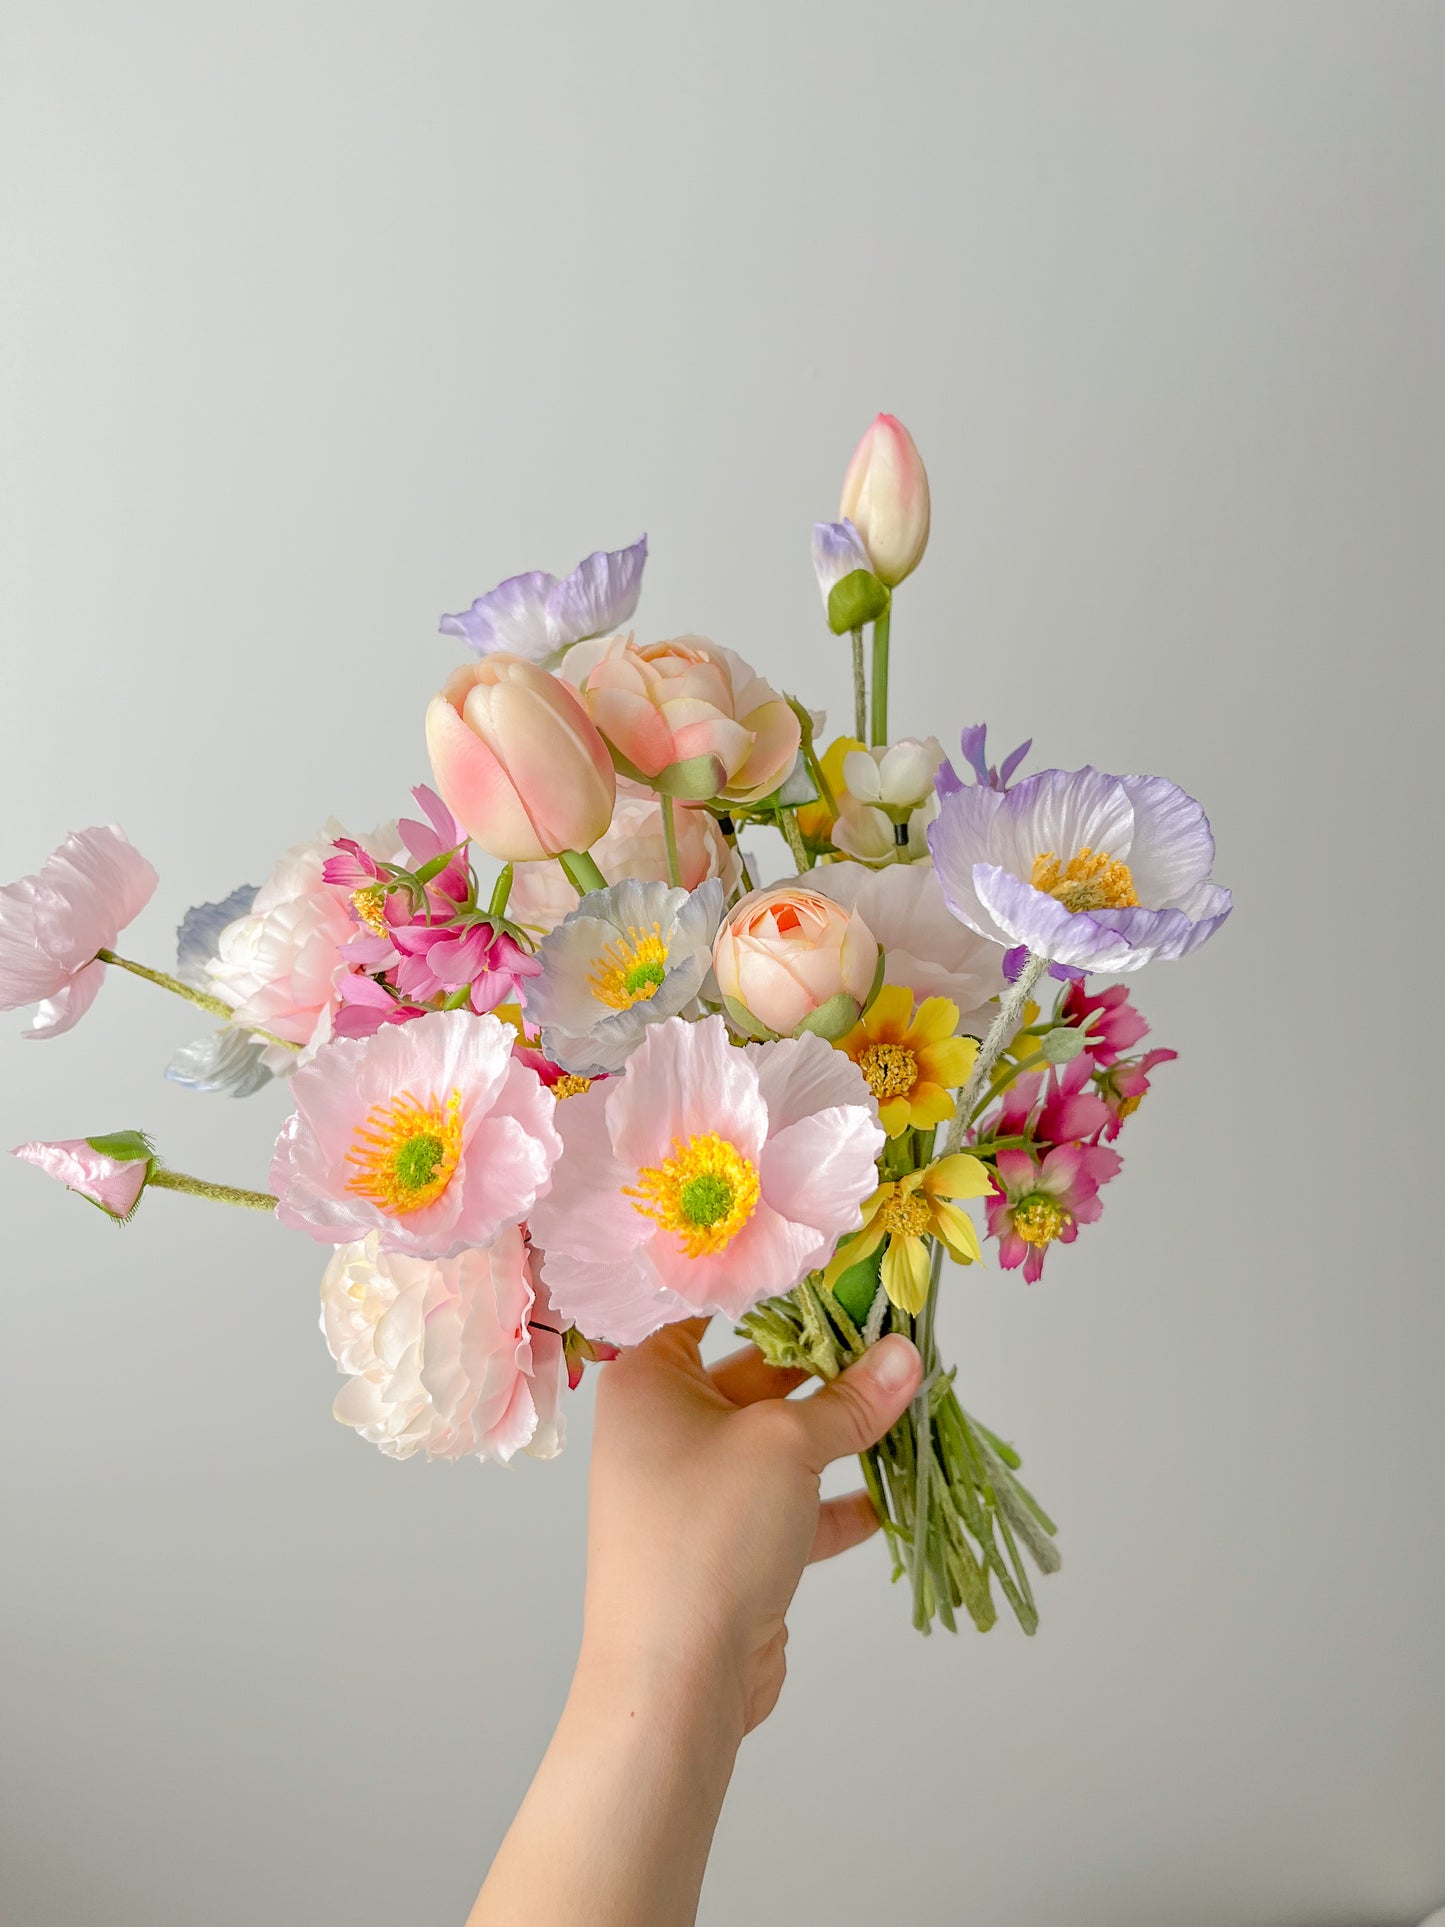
110	1171
428	1133
704	1178
458	1358
53	923
1040	1201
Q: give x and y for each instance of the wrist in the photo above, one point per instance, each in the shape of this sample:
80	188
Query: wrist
683	1687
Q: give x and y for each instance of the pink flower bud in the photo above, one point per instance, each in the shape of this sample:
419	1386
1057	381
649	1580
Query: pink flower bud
692	718
784	953
518	760
885	497
111	1171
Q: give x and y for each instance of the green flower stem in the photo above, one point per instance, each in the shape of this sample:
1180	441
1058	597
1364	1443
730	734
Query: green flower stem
202	999
217	1193
582	873
922	1416
992	1048
669	837
810	756
788	824
730	837
1001	1083
860	690
501	893
880	677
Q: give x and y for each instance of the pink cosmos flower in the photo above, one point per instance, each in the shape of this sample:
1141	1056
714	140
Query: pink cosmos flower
704	1178
1124	1086
1041	1200
53	923
461	1358
111	1171
1116	1023
428	1133
281	966
436	960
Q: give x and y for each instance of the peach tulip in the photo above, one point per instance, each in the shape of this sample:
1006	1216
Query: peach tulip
885	497
789	956
518	760
691	719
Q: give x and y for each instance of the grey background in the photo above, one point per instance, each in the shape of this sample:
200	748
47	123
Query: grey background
321	318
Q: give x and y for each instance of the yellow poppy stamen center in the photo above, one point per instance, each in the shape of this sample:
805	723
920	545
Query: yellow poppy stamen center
407	1152
370	907
630	969
1090	880
889	1070
570	1085
906	1215
705	1193
1038	1219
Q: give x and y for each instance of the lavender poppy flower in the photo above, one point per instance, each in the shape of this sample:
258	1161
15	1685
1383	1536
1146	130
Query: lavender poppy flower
1102	872
974	745
538	616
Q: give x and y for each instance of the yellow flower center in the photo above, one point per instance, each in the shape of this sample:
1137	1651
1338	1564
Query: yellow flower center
1038	1219
407	1152
906	1214
889	1070
570	1085
370	906
629	970
1088	881
705	1192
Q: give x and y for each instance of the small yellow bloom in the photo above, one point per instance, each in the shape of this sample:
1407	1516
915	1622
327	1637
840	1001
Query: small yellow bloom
908	1210
815	820
910	1060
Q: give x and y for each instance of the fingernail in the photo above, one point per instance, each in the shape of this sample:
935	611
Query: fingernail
893	1362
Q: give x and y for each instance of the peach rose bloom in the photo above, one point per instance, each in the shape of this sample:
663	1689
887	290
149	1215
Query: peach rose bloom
785	951
518	760
662	705
634	846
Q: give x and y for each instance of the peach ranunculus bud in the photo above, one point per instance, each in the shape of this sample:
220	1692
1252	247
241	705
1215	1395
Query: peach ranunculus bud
518	760
885	497
789	959
691	719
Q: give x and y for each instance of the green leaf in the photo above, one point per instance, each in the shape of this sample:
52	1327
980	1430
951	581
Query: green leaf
1062	1046
858	598
856	1289
833	1019
877	983
743	1020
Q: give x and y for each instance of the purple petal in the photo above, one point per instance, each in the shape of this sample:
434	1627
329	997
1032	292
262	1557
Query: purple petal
974	746
837	551
1011	762
1063	936
598	597
512	616
1014	961
947	780
1172	848
1063	810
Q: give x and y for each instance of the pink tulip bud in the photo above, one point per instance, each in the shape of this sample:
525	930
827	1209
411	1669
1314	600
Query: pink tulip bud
692	719
110	1171
885	497
518	760
789	954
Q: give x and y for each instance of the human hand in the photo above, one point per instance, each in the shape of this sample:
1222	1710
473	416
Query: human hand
705	1508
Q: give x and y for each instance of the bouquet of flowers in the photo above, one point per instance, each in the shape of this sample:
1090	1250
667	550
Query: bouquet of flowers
614	1080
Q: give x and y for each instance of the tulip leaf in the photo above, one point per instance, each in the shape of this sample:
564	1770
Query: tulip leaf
856	599
833	1019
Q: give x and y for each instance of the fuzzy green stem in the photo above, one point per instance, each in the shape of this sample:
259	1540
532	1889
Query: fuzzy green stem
669	837
880	677
992	1048
582	873
860	689
201	998
217	1193
788	824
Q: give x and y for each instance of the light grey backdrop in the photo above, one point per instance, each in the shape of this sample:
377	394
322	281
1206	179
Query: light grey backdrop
320	319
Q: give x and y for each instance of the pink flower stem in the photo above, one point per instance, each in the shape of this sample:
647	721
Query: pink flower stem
581	871
669	836
218	1193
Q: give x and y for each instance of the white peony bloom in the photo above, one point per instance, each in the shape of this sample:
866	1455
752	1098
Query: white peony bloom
456	1359
926	947
279	966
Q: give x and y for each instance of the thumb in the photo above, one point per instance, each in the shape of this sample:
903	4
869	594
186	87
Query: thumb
854	1410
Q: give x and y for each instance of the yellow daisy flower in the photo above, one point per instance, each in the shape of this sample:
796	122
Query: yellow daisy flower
910	1059
907	1210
